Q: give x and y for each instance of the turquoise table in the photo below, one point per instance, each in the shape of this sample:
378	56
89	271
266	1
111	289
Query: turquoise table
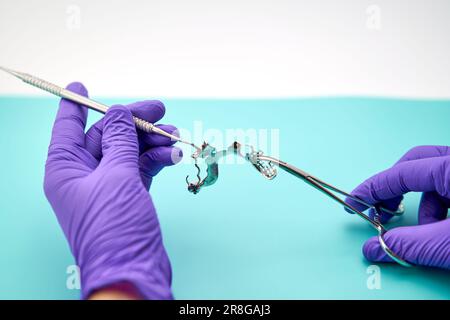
244	237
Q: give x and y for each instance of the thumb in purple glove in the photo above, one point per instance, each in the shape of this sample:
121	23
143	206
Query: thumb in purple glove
103	207
425	245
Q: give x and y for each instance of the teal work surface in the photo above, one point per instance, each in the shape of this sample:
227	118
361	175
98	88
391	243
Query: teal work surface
245	237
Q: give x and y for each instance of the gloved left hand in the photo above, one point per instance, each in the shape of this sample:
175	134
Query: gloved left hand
97	184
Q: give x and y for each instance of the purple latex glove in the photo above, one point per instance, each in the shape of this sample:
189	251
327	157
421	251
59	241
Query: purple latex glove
423	169
97	184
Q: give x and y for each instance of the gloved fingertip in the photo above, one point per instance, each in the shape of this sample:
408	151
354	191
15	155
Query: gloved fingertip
169	129
160	157
155	140
158	104
373	251
176	132
176	155
77	87
371	248
149	110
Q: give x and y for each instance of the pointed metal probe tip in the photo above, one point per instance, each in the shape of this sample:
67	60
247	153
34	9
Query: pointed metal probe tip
12	72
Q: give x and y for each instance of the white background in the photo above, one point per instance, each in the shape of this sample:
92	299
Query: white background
233	48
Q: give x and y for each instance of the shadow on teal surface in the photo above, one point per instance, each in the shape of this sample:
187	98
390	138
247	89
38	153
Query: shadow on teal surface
244	237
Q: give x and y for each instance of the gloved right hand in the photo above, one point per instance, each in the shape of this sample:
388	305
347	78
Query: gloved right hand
423	169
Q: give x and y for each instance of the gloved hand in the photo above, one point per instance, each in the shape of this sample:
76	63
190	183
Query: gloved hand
422	169
97	184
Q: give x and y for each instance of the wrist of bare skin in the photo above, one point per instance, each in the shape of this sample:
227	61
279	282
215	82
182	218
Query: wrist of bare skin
117	291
